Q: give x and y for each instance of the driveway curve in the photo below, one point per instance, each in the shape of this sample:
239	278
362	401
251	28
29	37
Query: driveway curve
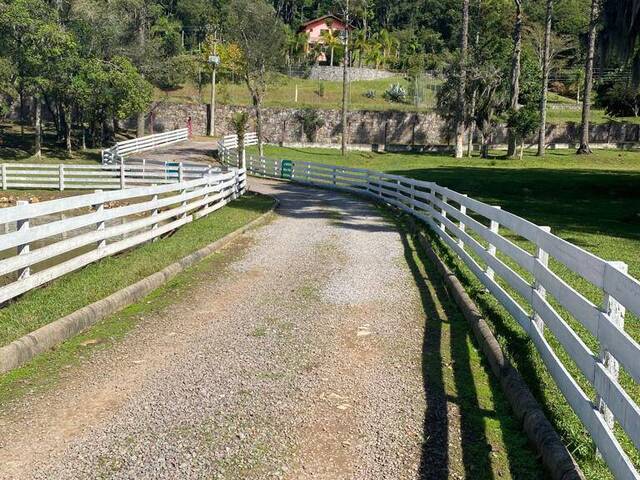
302	355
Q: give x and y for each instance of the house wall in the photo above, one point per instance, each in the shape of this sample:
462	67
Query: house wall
315	29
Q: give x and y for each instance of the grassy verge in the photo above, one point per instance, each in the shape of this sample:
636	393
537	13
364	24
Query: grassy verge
455	372
97	281
593	202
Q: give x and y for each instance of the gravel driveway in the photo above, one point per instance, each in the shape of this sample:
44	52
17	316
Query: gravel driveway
300	357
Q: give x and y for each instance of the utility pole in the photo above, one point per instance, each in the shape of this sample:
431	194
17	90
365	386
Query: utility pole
345	80
214	60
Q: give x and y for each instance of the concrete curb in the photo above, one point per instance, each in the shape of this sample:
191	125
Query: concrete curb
554	454
21	351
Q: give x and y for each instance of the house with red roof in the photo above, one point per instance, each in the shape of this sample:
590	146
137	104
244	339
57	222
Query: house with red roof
315	28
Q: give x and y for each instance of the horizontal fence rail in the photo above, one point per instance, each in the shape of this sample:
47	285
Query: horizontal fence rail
43	241
120	150
540	298
228	147
90	177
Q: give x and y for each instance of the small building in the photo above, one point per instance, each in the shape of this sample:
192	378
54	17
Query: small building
314	29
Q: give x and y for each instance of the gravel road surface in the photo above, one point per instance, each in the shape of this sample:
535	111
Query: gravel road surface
300	357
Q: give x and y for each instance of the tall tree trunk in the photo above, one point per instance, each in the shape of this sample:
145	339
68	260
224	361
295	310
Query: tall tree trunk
83	144
515	73
38	127
21	93
585	149
257	106
140	125
462	104
141	42
474	98
542	134
345	87
68	130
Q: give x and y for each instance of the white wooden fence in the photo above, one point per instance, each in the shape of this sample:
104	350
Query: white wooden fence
547	303
114	173
44	241
228	147
91	177
141	144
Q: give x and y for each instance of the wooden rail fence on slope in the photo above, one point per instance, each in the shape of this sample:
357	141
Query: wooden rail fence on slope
100	224
541	303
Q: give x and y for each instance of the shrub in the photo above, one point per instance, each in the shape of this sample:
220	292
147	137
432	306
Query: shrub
370	94
619	99
321	90
396	93
311	122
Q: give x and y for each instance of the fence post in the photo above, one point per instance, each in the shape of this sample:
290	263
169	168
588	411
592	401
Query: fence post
543	258
615	311
413	196
462	226
155	212
61	177
495	227
23	226
180	173
443	212
122	176
182	192
5	180
99	208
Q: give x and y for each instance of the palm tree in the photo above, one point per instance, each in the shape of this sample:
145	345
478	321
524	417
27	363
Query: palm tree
331	40
387	43
360	46
374	54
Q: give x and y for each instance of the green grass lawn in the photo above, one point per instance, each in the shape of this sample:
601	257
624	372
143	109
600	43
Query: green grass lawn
281	93
18	148
593	202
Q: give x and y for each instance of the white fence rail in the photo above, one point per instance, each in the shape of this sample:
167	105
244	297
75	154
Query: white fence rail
44	241
123	149
228	147
546	304
91	177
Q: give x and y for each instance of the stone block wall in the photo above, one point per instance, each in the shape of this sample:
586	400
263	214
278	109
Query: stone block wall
334	74
283	125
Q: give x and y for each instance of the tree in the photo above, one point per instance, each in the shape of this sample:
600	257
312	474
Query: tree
522	123
462	105
331	40
254	27
545	80
239	123
515	72
585	149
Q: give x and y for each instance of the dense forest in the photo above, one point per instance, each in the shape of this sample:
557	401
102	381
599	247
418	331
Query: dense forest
92	63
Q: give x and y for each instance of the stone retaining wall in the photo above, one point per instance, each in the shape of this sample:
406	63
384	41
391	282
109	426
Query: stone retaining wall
334	74
283	125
